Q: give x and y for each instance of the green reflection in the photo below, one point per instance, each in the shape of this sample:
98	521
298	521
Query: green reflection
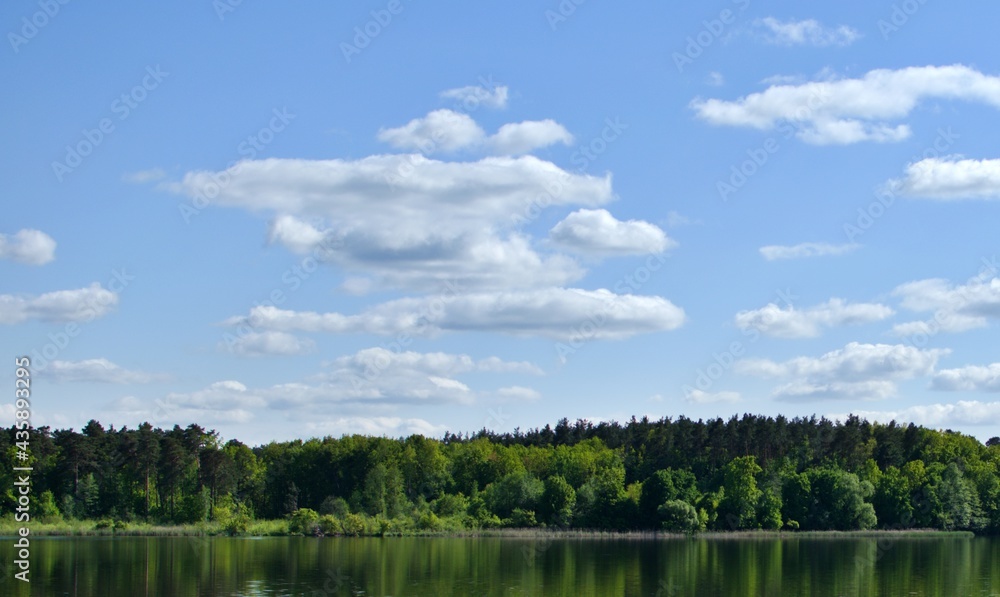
87	566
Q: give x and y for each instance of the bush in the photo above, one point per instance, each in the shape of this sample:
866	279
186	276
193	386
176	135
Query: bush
336	506
238	523
304	521
429	521
521	519
329	524
450	505
353	525
679	516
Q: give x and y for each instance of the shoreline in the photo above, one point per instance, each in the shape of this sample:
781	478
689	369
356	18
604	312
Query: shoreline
277	528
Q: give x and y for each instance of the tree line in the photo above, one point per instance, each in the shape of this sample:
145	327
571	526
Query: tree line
750	472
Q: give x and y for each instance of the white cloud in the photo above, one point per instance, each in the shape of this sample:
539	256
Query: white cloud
84	304
518	393
439	131
473	96
803	250
790	322
144	176
715	79
412	222
956	308
373	379
376	426
597	232
868	371
699	397
972	378
524	137
557	313
96	371
847	111
255	344
297	235
937	416
808	32
950	178
31	247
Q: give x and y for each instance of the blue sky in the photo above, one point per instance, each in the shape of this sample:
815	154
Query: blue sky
398	217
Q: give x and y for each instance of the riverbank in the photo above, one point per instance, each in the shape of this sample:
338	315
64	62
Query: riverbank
279	528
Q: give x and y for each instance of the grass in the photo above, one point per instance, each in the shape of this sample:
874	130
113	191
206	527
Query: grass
279	528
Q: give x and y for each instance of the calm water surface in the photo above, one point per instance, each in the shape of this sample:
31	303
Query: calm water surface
410	567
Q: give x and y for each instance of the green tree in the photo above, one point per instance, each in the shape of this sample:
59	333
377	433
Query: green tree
678	516
738	509
557	502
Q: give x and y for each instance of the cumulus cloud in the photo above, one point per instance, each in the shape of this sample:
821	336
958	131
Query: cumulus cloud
844	111
27	246
804	250
866	371
972	378
699	397
440	130
556	313
376	426
949	178
518	393
448	131
597	232
411	222
790	322
373	379
96	371
473	96
255	344
956	308
523	137
83	304
808	32
936	416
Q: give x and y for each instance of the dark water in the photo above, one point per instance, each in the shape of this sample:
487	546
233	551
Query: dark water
438	567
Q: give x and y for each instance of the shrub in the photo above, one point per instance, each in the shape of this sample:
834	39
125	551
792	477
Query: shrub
304	521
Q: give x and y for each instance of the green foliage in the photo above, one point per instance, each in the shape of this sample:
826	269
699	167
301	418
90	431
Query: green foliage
352	525
741	473
450	505
678	516
557	502
738	508
336	506
304	521
520	490
521	519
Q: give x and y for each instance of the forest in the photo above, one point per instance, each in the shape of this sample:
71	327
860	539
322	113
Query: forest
679	475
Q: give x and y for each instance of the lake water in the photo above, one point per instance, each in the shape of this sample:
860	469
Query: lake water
439	567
